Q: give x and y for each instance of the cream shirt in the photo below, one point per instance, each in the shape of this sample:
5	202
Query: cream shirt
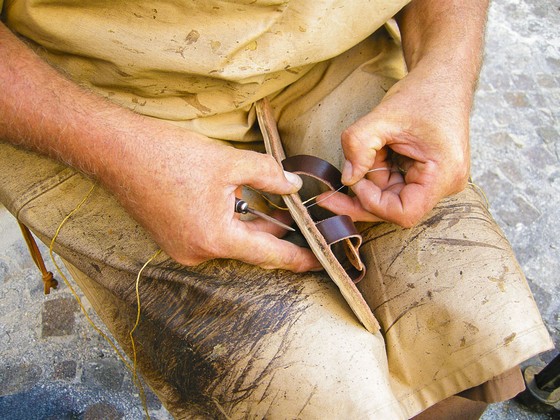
200	64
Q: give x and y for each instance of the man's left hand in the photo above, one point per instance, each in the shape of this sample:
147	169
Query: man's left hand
419	132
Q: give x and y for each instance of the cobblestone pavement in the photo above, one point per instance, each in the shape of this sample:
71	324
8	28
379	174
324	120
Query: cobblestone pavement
54	365
516	150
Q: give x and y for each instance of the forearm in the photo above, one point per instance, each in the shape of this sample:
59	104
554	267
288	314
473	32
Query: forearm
446	38
43	111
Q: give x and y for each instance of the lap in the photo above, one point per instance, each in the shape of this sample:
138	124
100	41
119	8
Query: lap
454	308
220	336
453	303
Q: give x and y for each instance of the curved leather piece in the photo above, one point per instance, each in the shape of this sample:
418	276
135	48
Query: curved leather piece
337	228
341	228
316	168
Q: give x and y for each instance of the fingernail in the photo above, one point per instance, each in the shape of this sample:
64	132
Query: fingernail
293	179
346	172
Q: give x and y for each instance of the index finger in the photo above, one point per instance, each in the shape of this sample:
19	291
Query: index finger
360	144
403	204
267	251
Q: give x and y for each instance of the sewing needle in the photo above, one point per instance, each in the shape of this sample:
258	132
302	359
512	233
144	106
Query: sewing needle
243	208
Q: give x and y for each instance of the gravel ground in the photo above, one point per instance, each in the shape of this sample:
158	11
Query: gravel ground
54	366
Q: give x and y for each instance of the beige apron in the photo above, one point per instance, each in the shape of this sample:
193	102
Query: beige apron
200	64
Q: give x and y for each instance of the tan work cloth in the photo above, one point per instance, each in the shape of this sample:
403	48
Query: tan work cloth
277	345
454	306
201	64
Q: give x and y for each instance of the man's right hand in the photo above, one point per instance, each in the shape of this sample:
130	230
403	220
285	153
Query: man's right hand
181	187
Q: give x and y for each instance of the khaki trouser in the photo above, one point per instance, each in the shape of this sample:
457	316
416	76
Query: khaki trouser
226	337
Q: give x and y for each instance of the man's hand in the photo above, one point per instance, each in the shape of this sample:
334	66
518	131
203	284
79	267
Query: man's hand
420	134
420	131
182	190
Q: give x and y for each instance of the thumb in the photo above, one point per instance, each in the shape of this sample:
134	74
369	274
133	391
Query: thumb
360	143
263	173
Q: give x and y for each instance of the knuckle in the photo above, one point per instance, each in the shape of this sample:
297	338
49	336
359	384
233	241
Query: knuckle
349	138
259	260
269	160
287	259
461	184
262	160
189	260
213	247
460	177
295	261
411	218
267	167
264	165
206	247
408	222
292	260
368	202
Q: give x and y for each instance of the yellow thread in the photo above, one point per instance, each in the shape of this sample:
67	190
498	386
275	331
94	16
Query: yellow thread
268	200
61	274
380	169
481	192
338	189
324	198
135	378
84	311
276	206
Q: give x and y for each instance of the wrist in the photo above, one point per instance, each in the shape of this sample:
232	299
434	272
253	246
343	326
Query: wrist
446	38
448	78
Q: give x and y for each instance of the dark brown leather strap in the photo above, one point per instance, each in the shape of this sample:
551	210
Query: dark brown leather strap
316	168
49	281
336	229
341	229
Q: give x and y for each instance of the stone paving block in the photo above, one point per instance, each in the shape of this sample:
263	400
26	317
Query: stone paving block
58	317
65	370
106	373
18	378
103	411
